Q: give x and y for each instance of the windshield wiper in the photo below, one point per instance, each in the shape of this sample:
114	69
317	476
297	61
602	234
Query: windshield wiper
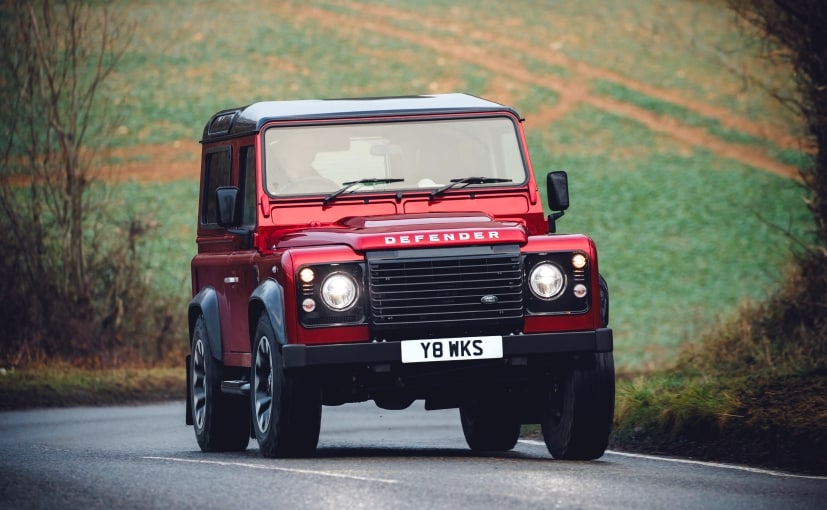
353	184
466	181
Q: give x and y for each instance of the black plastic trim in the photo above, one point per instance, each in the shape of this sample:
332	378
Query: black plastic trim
206	303
268	298
300	355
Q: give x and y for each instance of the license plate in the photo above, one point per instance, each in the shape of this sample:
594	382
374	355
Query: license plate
452	349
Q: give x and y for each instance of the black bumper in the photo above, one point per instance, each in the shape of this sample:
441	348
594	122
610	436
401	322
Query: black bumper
299	355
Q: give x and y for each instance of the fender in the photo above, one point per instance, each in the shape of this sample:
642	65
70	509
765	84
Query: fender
206	303
268	297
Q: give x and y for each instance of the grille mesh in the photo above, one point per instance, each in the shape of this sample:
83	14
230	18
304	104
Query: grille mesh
457	290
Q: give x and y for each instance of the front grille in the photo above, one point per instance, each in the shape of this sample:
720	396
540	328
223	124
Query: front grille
430	292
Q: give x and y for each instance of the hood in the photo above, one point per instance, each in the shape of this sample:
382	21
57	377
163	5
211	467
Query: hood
396	232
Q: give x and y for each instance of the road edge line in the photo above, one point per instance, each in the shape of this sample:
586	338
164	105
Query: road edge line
720	465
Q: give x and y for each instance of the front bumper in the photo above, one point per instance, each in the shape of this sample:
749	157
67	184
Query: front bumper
569	342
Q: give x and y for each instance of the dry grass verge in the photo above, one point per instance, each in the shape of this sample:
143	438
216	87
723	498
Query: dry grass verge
754	391
775	422
63	385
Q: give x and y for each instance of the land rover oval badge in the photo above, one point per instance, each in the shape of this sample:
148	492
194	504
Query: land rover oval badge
489	299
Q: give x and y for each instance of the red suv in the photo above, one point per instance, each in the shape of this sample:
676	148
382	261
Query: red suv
390	249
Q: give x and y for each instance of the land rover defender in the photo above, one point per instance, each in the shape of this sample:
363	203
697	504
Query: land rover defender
390	249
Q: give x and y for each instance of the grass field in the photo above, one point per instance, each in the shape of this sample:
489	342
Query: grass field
680	168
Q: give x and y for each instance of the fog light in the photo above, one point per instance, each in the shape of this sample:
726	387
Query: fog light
580	290
578	261
308	305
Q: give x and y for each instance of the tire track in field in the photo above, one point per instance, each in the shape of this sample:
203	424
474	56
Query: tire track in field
552	57
378	19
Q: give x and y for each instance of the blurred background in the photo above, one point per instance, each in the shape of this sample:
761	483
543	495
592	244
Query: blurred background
682	164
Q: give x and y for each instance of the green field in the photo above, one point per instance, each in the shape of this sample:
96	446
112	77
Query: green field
673	159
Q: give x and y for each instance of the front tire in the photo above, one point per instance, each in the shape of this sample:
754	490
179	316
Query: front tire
577	421
221	422
489	426
286	405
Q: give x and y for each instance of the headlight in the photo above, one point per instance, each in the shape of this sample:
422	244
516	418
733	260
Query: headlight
546	280
339	291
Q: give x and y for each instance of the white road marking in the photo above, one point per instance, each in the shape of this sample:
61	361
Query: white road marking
735	467
277	468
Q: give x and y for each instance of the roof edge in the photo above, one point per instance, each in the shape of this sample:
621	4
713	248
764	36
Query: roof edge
249	119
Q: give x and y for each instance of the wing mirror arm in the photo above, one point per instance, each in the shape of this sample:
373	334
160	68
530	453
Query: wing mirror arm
552	221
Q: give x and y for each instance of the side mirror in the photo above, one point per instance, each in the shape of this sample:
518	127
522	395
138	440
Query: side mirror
226	199
557	187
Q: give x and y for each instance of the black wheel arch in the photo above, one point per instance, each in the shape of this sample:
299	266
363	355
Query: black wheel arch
205	304
267	298
604	301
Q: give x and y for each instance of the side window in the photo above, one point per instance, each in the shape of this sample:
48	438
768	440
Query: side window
247	180
216	173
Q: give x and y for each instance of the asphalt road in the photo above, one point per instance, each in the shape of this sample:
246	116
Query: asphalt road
145	457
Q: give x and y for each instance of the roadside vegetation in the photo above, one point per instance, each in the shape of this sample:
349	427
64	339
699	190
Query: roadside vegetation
73	284
61	384
755	388
704	193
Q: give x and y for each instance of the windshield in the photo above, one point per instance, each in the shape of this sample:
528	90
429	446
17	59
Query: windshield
392	156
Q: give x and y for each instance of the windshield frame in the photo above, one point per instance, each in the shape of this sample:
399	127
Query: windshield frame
512	153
